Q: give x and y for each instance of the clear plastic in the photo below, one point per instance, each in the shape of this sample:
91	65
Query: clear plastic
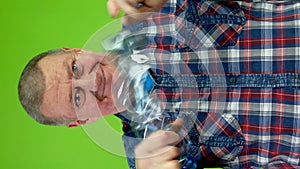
151	113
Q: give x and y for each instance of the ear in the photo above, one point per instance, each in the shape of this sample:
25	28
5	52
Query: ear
77	123
76	50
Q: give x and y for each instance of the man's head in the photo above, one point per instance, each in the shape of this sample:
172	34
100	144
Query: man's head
67	87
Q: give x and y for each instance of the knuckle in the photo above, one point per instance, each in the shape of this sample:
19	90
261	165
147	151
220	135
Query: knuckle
139	150
174	150
165	134
172	164
160	135
160	132
175	165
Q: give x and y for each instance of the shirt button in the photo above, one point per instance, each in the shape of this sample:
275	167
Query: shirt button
274	81
232	80
158	79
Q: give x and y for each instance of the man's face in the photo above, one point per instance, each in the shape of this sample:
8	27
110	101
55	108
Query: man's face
78	85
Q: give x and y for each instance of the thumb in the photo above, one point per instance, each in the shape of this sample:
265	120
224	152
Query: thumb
175	126
113	8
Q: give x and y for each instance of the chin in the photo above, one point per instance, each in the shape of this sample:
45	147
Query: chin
107	107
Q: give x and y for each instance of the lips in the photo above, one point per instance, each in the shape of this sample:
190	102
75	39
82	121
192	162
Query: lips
100	81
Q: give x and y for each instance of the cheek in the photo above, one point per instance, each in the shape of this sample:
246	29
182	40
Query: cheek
50	105
94	108
88	109
68	111
55	108
65	107
107	107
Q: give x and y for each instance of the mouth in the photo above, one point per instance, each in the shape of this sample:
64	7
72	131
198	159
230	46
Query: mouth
101	80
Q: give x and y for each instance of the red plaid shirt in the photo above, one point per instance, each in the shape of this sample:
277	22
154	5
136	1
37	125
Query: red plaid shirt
236	65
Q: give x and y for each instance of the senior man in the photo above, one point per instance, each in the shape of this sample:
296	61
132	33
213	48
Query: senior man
233	64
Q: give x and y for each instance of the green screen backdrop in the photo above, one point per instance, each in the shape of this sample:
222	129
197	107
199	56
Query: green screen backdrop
28	28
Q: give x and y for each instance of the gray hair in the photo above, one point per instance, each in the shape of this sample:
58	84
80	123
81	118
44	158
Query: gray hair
32	87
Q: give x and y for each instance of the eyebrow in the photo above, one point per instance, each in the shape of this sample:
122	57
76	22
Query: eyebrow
68	69
71	98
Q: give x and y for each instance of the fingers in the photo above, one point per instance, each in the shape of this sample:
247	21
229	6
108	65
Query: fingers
127	7
163	160
130	6
177	125
156	143
155	5
168	165
162	154
166	154
161	141
115	6
158	151
136	17
133	2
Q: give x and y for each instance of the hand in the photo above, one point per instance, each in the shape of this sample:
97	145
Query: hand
158	151
128	6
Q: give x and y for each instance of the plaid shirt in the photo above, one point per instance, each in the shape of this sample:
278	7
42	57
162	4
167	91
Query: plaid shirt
237	66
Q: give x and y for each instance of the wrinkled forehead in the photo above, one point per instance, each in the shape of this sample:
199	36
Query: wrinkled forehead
55	67
56	104
57	85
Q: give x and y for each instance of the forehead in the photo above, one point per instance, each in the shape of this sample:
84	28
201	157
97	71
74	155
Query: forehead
58	58
55	65
58	83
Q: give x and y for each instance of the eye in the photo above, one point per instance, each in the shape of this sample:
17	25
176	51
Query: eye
76	69
78	97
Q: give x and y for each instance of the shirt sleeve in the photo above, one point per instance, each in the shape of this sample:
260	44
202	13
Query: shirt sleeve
130	138
279	164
